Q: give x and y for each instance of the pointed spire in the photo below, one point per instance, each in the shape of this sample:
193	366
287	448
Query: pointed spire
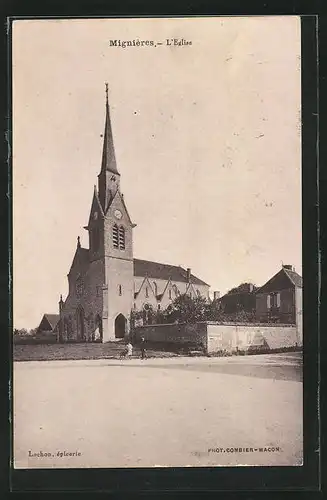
108	154
78	242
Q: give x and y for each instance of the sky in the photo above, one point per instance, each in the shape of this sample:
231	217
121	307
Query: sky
207	139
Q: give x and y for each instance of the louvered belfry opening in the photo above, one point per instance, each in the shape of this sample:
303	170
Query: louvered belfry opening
115	236
122	238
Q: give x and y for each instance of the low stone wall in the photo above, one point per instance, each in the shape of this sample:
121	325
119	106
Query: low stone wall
232	337
39	339
221	337
170	334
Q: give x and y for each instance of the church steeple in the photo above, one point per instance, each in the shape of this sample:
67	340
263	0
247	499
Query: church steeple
109	175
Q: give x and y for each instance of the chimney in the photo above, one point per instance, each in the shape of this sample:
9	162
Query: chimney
216	295
288	266
188	274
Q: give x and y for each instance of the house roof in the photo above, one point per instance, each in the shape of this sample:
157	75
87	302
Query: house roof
52	319
279	280
294	277
158	270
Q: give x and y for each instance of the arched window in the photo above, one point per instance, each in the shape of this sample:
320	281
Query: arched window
155	288
122	238
176	291
115	238
120	290
169	293
198	292
146	292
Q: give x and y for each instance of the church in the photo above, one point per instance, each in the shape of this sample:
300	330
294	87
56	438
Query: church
106	283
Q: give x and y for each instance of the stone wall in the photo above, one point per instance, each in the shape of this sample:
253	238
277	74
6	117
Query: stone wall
181	333
231	337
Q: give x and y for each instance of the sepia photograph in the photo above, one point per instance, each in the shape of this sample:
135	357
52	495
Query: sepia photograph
157	242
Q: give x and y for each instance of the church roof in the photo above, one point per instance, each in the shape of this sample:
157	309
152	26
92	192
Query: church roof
84	254
163	271
81	258
108	154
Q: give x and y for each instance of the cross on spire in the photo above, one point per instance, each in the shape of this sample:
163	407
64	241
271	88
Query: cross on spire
106	84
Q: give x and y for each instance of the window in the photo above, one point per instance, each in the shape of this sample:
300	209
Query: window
169	293
120	290
155	288
118	237
158	307
275	300
115	238
146	292
121	238
198	293
98	291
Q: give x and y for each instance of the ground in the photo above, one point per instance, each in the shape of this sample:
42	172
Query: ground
159	412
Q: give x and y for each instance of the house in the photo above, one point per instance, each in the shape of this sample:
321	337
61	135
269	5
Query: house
49	325
280	299
106	284
241	298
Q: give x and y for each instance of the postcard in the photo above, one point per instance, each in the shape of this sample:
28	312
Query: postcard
157	232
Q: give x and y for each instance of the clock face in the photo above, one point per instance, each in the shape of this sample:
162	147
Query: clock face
118	214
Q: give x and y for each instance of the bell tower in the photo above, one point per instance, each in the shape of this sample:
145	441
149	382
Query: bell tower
111	242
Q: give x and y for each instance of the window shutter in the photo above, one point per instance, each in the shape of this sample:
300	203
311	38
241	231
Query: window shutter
268	301
278	299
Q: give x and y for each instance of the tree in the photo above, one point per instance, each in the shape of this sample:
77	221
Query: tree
243	288
185	309
21	332
215	311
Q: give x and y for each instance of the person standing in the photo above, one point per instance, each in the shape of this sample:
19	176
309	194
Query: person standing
142	347
129	350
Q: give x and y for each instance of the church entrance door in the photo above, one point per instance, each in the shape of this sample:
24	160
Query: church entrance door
120	326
